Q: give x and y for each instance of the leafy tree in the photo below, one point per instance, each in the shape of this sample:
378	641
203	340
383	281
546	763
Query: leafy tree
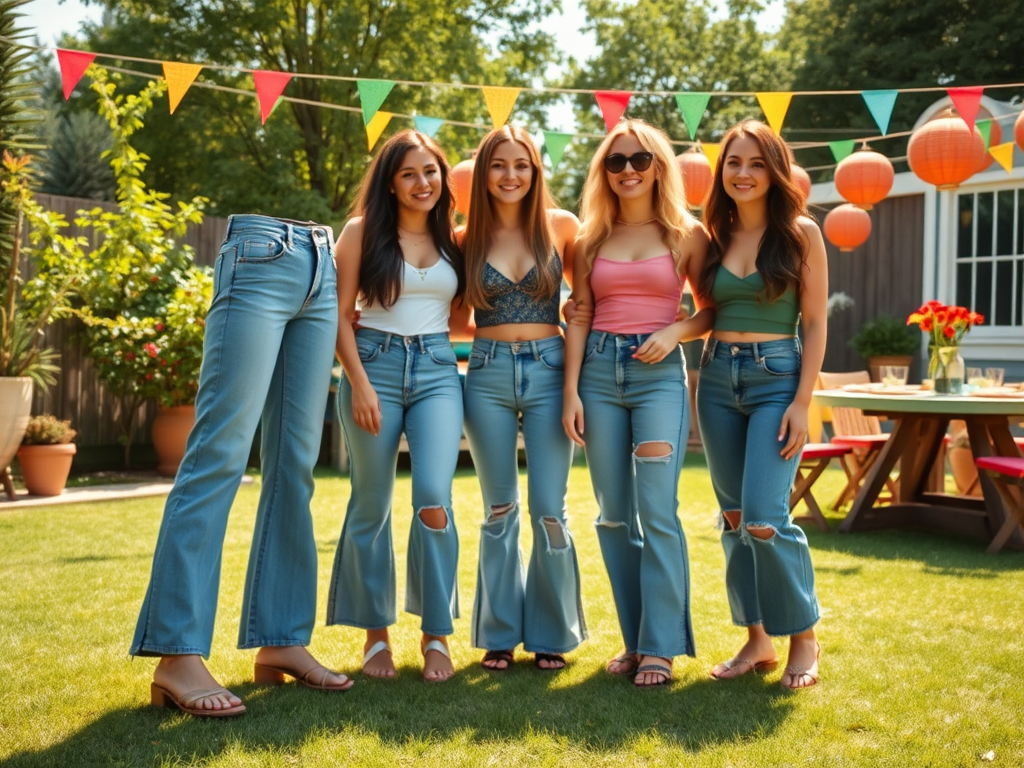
307	160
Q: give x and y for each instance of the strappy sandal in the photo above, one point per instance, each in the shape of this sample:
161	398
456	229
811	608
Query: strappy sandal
265	674
795	673
751	666
161	697
505	656
627	661
663	672
379	647
436	645
549	657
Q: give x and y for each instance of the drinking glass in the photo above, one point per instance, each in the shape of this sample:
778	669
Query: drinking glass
894	375
995	376
975	378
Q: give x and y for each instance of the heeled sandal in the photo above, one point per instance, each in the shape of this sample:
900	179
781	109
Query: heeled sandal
752	666
265	674
794	673
161	697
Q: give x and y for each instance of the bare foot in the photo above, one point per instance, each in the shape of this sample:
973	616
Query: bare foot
381	665
653	670
437	666
298	662
623	664
802	665
757	653
181	675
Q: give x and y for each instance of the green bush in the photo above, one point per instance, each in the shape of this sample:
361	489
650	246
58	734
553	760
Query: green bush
885	335
48	430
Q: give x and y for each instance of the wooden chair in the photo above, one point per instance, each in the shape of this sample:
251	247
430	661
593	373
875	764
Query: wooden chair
862	434
1007	474
814	460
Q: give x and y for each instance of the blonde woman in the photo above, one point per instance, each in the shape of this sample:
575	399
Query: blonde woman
625	396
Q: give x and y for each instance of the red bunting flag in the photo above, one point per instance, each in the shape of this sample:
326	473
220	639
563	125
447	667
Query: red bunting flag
612	104
269	87
967	100
72	66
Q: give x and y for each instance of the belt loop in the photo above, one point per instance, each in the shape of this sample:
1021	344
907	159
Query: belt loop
387	342
536	352
231	220
712	346
600	341
419	341
289	236
492	350
799	345
757	351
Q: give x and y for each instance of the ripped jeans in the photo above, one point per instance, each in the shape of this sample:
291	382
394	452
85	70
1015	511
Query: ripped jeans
418	386
632	408
540	609
744	391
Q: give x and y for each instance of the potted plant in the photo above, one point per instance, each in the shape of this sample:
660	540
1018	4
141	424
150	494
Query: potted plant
45	455
884	340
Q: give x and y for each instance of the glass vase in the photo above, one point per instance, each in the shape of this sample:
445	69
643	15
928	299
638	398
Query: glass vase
946	370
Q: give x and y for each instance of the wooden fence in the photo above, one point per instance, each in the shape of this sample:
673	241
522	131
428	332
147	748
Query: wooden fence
78	394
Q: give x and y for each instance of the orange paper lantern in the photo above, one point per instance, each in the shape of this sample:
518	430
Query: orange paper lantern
995	138
865	178
697	177
1018	130
462	182
802	179
847	226
945	152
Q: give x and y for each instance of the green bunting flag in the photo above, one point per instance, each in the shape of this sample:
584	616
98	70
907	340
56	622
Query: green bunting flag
842	149
985	129
692	106
372	94
555	143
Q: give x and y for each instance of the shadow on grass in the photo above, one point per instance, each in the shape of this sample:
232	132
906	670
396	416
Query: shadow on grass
599	713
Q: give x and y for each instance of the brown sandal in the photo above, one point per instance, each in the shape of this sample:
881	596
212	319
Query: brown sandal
505	656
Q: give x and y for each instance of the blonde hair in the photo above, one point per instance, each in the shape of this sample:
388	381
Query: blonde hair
534	221
599	206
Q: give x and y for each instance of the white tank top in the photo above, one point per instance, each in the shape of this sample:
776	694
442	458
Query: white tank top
423	305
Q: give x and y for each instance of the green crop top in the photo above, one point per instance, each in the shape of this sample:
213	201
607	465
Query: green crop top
740	308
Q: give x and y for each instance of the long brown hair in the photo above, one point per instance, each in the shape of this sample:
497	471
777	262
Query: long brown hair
534	220
382	268
780	253
599	207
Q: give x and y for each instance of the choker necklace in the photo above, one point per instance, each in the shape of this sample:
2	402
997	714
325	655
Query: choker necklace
635	223
411	241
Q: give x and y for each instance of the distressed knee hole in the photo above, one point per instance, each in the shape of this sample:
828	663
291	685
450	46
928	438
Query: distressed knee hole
732	519
558	537
761	531
434	517
499	512
654	450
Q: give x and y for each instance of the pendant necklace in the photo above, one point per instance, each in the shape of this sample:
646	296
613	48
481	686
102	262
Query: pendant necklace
635	223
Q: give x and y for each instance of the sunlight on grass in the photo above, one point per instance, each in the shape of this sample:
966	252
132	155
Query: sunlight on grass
922	635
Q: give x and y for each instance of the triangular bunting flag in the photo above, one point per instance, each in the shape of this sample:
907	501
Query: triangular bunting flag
880	104
775	104
428	125
269	87
179	77
555	144
376	127
371	95
985	129
692	105
842	149
711	152
500	102
613	104
72	66
1003	154
967	100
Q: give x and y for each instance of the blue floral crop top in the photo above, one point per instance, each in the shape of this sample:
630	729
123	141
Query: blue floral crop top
512	303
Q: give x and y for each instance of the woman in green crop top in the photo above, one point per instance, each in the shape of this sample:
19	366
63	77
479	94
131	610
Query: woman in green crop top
765	269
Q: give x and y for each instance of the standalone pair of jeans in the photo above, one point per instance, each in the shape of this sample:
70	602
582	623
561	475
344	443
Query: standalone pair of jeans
541	610
417	384
627	404
743	392
267	357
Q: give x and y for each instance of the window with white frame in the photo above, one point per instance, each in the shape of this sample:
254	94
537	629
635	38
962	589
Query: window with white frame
990	255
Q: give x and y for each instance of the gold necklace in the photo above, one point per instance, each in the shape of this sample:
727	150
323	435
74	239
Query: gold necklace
635	223
410	240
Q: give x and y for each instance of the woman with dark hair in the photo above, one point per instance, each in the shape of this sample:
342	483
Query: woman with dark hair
398	259
765	272
636	248
517	248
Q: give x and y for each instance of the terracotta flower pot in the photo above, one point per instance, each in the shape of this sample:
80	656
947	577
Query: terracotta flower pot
170	434
875	363
45	468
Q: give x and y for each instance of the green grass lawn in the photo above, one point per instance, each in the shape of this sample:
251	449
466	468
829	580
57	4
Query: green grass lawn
922	661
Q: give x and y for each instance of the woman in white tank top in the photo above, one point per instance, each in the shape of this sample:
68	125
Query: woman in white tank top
398	262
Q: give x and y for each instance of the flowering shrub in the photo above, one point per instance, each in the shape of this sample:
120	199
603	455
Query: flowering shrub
945	325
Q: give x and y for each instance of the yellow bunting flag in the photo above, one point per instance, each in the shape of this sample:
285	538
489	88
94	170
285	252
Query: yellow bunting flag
1003	153
711	152
179	77
500	102
376	127
775	104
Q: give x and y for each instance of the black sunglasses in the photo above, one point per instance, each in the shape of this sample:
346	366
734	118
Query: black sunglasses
640	161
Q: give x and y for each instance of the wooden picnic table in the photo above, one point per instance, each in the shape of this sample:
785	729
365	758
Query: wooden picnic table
920	423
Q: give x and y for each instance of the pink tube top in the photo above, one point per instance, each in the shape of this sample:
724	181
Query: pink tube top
635	296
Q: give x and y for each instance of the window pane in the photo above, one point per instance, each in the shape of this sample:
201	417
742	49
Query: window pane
983	290
1019	292
965	227
1004	223
985	203
964	288
1004	293
1020	222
